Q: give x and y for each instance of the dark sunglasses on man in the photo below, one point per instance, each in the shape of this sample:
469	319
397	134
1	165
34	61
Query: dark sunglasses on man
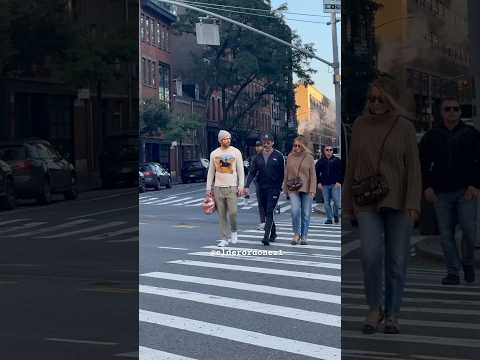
451	108
329	150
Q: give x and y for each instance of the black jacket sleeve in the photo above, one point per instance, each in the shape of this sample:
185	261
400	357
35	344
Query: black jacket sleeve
339	171
281	171
252	172
426	161
318	169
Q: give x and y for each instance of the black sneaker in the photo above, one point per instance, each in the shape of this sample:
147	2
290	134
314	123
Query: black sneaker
451	279
336	220
273	238
265	242
328	222
469	273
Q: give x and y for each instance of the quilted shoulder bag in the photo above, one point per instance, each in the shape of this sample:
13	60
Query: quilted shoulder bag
297	182
374	188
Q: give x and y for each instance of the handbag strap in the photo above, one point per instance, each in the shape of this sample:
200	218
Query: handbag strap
299	166
384	142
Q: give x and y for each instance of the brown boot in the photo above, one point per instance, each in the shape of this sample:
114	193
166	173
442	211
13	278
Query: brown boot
295	240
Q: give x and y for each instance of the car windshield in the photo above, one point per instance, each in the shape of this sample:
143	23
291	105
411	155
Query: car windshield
12	153
194	165
145	167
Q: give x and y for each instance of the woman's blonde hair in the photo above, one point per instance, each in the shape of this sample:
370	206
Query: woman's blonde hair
389	92
302	140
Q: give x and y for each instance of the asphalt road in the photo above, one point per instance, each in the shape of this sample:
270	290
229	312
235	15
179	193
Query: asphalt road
197	305
68	278
437	322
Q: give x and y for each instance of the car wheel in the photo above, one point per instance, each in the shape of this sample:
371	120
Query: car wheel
45	197
9	201
157	185
169	183
141	188
72	193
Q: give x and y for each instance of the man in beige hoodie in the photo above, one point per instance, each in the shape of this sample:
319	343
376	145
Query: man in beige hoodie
226	177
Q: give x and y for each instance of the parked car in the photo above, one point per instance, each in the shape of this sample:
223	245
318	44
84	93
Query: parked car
8	199
155	175
119	166
141	182
195	170
39	170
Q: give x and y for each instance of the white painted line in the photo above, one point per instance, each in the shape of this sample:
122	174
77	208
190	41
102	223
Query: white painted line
102	212
133	355
432	300
417	339
127	240
199	200
112	233
424	285
285	208
260	237
246	305
22	227
350	246
275	244
258	270
423	310
450	291
243	336
52	228
265	289
312	225
152	354
170	202
149	202
192	192
174	248
12	221
310	230
85	230
272	260
76	341
433	324
290	253
288	233
425	357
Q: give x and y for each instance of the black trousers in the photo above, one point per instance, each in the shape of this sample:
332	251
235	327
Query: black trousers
268	200
261	209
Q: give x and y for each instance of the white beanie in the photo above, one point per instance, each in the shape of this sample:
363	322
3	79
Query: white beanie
223	134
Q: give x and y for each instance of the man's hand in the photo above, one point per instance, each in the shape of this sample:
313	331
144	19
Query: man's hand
312	195
338	185
413	215
241	192
430	195
209	193
471	193
320	187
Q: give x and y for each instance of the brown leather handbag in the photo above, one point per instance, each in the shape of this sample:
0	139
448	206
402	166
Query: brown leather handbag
297	182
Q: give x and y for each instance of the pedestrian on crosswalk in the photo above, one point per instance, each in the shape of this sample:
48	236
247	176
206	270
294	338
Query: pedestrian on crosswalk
450	156
300	184
226	176
261	210
268	170
382	190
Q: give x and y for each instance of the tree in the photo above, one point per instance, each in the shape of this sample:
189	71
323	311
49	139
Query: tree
245	58
154	116
181	125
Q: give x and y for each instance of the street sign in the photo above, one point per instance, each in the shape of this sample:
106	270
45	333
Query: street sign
332	6
207	34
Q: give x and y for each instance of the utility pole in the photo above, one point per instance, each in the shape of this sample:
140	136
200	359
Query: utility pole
336	82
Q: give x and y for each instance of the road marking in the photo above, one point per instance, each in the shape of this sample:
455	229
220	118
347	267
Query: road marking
290	233
199	200
171	248
12	221
246	305
102	212
312	225
110	290
311	230
289	239
275	244
22	227
433	300
52	228
285	208
76	341
85	230
423	284
184	226
133	355
21	265
156	200
152	354
112	233
170	202
292	253
423	291
259	270
422	310
260	258
418	339
244	336
130	239
299	294
350	246
433	324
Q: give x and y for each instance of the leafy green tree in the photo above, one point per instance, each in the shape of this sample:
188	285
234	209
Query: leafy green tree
154	116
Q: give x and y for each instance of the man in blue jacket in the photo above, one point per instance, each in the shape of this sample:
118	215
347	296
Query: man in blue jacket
330	178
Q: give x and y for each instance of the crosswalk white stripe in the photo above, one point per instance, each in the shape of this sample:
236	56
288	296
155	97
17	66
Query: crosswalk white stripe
299	294
423	284
422	310
244	336
12	221
417	339
23	227
310	230
169	202
275	244
286	238
132	355
285	208
422	291
291	253
247	305
289	233
259	270
350	246
157	200
85	230
199	200
107	235
315	264
130	239
52	228
432	300
326	227
423	323
152	354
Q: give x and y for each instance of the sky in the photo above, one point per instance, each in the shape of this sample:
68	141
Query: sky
319	34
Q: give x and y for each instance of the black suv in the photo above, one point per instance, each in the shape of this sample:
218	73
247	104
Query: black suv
195	170
7	190
39	170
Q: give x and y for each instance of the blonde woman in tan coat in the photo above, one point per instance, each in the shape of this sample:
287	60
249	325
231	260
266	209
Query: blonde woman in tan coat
300	186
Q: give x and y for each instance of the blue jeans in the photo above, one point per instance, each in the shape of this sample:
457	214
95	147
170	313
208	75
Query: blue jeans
385	242
301	211
331	193
452	209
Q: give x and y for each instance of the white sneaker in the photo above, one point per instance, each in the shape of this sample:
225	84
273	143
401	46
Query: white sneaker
222	243
261	226
234	238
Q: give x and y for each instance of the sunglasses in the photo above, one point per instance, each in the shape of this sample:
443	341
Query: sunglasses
329	150
379	99
297	145
451	108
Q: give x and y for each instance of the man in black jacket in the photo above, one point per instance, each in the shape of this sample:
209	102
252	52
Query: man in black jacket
268	170
261	211
450	157
330	177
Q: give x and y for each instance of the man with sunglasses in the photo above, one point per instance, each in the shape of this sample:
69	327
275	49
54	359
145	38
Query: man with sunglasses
268	169
330	177
450	157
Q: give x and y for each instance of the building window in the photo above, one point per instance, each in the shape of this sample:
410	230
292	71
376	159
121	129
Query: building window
147	29
157	42
144	71
142	27
153	73
162	40
164	83
167	46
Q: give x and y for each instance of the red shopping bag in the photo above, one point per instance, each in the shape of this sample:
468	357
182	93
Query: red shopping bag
208	205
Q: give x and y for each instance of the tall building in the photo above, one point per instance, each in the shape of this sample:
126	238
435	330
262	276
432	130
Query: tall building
315	117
